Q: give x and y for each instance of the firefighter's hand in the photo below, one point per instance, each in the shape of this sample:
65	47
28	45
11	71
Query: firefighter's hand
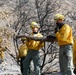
56	30
51	36
27	36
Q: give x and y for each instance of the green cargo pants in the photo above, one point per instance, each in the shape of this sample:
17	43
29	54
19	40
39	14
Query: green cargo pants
32	55
65	60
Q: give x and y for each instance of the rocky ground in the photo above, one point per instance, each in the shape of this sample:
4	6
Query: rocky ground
9	66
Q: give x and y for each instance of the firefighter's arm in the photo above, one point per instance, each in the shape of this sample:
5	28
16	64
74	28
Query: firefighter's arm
41	44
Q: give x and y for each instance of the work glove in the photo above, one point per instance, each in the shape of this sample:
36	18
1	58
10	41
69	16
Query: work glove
51	36
56	30
74	71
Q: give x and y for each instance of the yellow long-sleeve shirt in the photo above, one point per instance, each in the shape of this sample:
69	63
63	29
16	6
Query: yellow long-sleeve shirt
2	53
34	45
64	35
22	51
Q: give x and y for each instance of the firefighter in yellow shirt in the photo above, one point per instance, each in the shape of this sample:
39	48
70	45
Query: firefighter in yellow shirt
64	37
74	55
1	52
22	52
33	50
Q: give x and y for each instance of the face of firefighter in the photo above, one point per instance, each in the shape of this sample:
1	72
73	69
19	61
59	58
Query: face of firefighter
35	29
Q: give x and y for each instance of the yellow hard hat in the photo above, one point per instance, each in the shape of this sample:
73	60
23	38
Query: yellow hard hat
59	17
34	24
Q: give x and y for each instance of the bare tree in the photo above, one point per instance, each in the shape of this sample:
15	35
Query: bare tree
41	11
44	10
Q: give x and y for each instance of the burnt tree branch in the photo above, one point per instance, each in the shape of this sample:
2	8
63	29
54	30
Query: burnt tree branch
44	39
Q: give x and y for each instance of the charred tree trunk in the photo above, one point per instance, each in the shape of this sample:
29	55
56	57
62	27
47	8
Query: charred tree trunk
44	39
